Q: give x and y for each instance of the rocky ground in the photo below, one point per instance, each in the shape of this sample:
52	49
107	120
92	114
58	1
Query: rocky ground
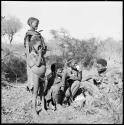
17	108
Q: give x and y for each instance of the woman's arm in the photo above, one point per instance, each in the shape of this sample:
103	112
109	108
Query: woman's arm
79	76
64	75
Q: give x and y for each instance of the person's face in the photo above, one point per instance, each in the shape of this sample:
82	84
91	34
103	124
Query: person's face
38	46
73	64
99	67
34	25
59	71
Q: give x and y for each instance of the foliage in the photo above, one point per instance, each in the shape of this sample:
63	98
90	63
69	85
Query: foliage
111	50
10	27
13	68
81	50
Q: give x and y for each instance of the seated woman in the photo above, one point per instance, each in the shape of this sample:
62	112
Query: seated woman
71	79
37	64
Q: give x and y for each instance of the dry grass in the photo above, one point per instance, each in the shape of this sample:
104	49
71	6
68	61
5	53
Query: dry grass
105	108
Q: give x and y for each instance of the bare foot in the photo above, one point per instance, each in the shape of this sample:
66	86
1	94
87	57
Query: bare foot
35	115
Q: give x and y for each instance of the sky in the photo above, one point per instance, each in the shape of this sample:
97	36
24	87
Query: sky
82	19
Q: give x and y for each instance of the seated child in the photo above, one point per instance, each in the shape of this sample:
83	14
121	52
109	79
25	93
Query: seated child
54	94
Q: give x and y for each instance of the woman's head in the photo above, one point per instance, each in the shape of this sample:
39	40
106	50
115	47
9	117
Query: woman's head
101	65
33	23
57	67
72	63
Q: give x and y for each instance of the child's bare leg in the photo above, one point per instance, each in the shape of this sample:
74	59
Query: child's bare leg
74	88
35	92
41	92
28	81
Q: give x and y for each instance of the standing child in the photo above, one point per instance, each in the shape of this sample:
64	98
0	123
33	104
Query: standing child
37	65
33	23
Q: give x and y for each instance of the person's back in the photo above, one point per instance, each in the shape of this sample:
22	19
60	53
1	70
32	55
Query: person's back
54	84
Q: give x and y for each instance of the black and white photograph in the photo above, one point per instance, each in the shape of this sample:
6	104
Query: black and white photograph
62	62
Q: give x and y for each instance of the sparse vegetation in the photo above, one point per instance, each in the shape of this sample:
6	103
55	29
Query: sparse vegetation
104	105
10	27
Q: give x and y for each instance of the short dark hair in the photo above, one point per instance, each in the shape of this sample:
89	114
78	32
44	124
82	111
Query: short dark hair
103	62
56	66
31	19
53	67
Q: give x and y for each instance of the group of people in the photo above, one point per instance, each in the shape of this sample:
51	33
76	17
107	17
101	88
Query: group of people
61	85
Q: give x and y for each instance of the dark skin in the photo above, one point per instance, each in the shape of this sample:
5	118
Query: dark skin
36	59
32	32
75	79
96	78
54	91
67	73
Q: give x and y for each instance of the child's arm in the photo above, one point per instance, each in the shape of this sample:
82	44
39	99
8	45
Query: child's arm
44	45
26	40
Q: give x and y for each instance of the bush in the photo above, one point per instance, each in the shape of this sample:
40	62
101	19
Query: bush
53	59
14	69
82	50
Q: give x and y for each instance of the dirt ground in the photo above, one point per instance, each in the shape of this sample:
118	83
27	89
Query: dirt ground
17	108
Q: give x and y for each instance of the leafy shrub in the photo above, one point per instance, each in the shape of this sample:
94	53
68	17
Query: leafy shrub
14	69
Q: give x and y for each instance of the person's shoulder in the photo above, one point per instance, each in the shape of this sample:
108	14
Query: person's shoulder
32	32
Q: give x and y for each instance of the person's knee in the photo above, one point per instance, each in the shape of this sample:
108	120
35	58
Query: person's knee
67	93
76	84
